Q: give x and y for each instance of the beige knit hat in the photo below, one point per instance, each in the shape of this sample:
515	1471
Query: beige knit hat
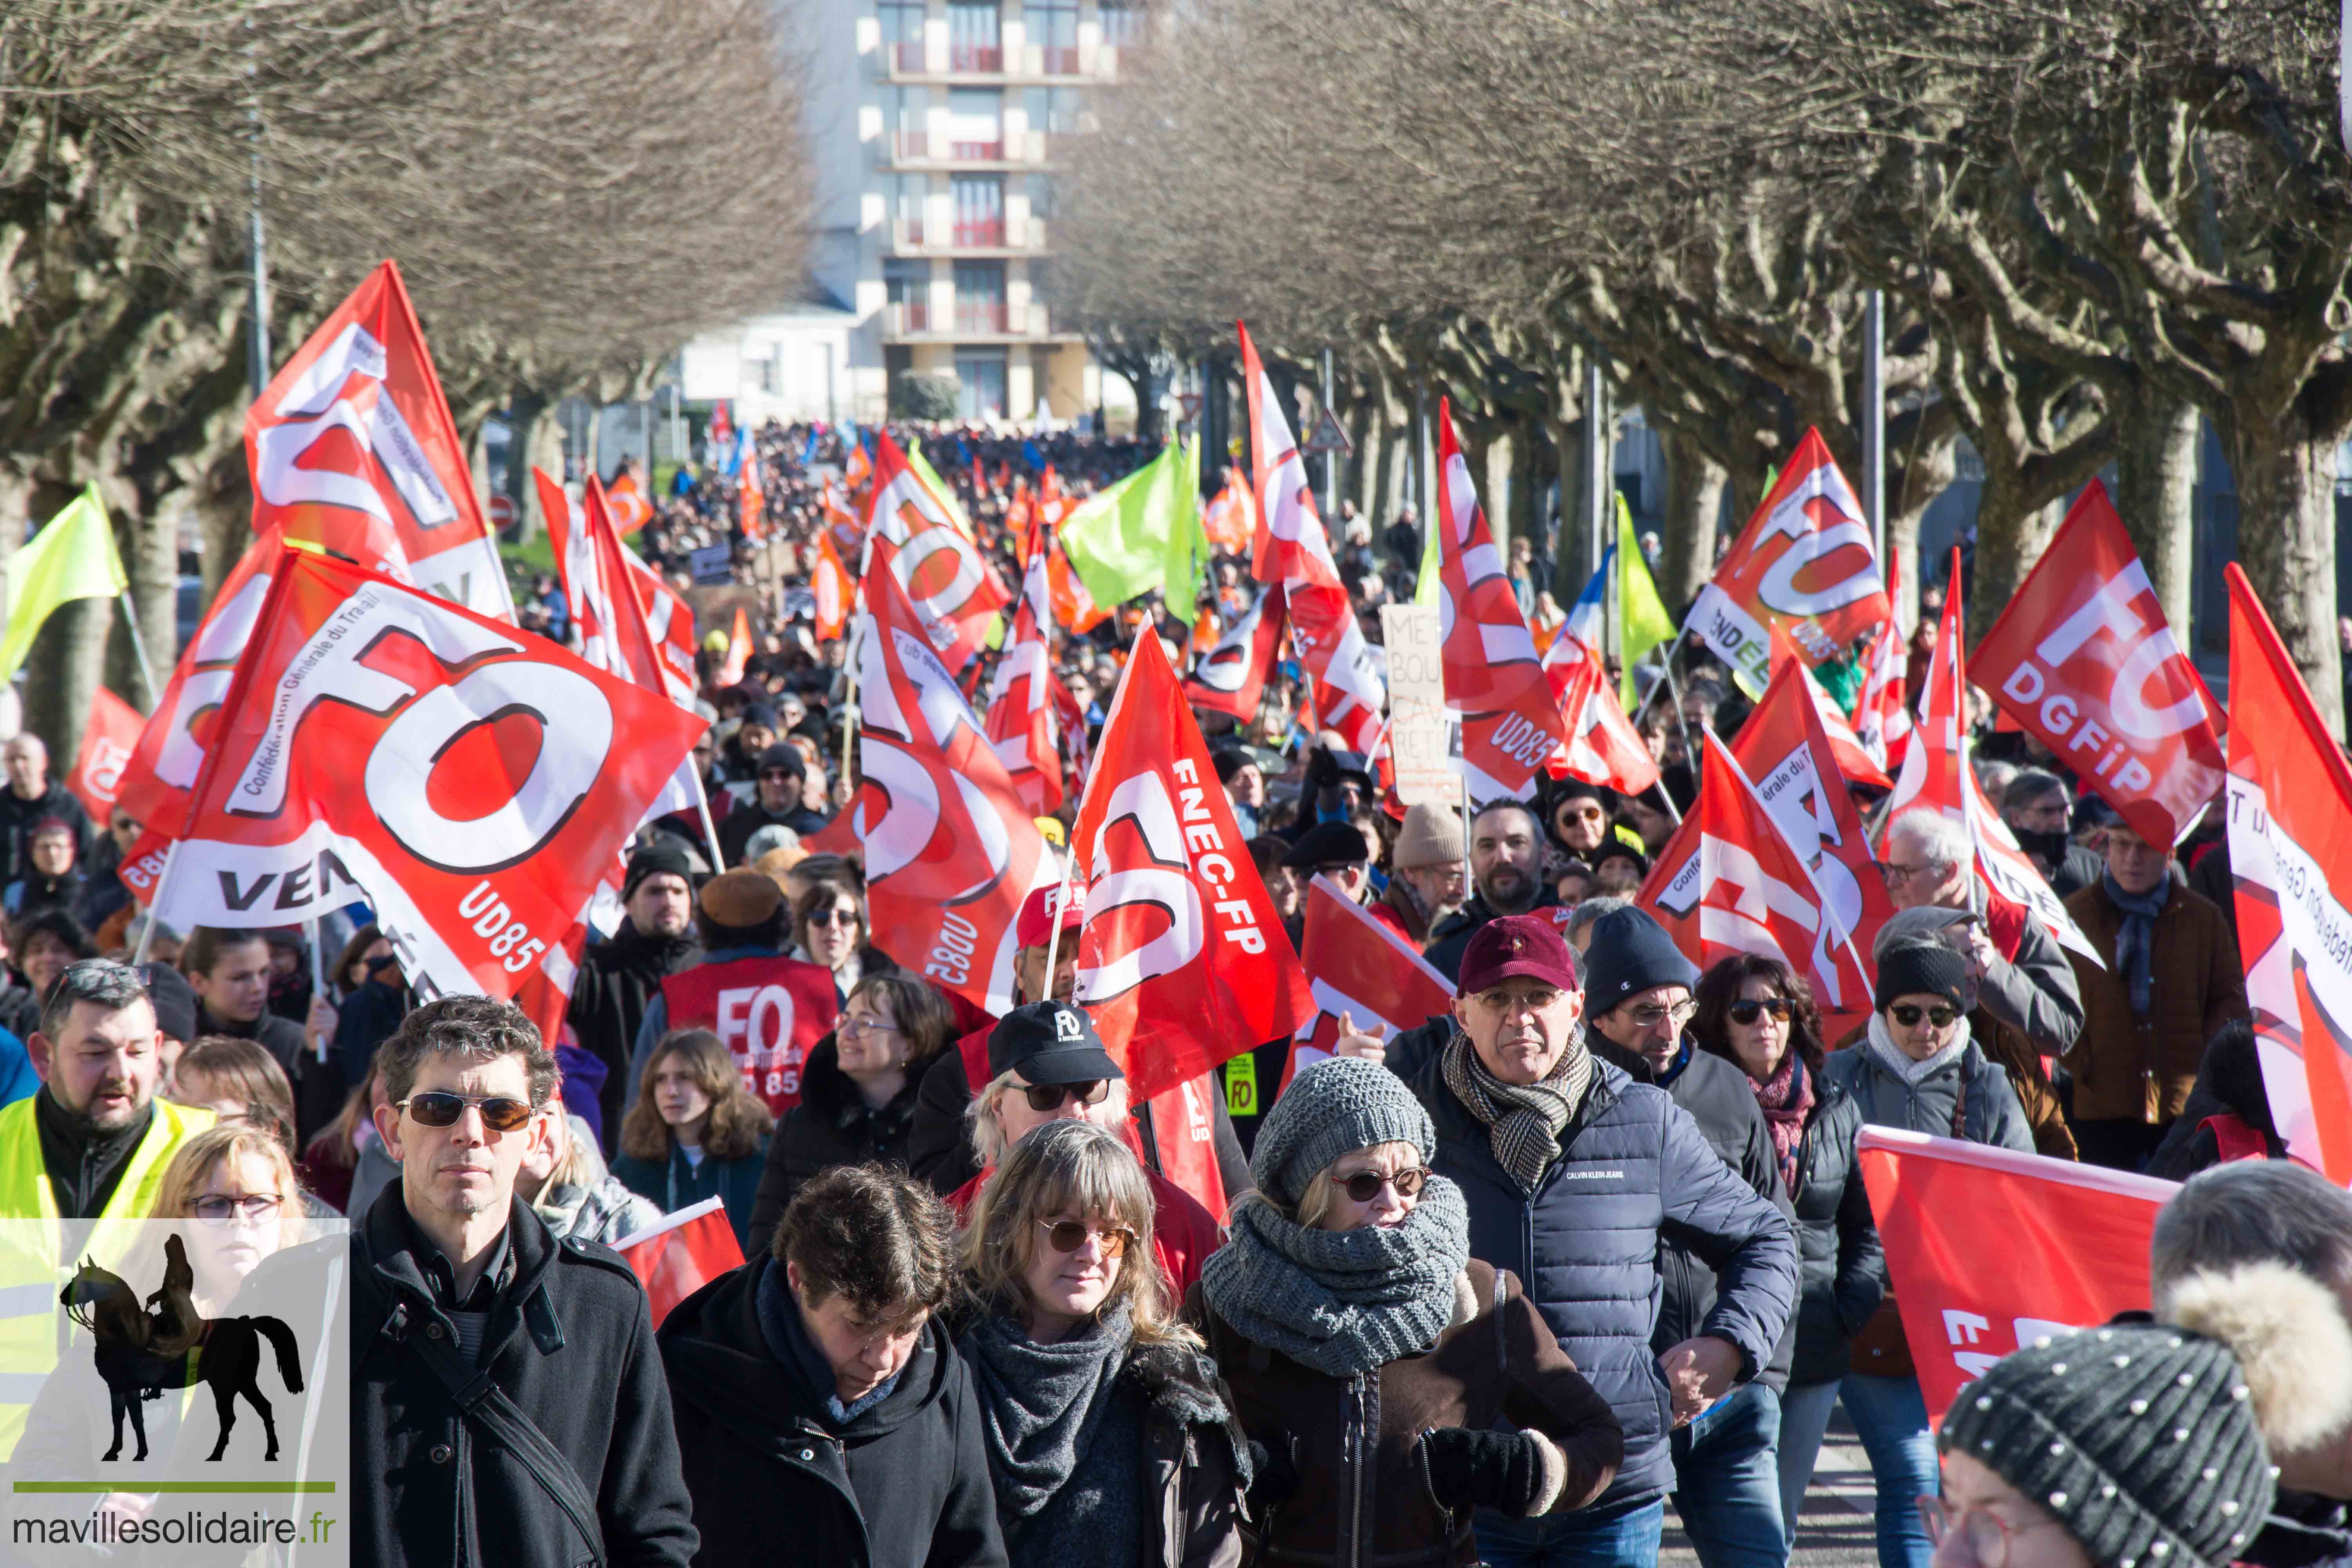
1432	836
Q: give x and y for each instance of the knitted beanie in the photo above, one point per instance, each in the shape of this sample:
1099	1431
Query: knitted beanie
1332	1109
2139	1438
1921	969
1628	953
1431	836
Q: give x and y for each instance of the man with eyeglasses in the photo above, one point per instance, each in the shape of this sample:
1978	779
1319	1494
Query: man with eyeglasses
1507	861
508	1402
1726	1462
777	801
1577	1176
1046	1064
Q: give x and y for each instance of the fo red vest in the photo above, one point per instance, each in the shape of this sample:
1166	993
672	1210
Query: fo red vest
767	1010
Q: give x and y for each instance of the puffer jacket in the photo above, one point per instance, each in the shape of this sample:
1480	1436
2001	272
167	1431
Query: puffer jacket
1970	1084
1837	1237
1634	1173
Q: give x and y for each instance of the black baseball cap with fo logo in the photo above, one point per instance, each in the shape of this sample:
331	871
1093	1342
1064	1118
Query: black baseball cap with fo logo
1049	1042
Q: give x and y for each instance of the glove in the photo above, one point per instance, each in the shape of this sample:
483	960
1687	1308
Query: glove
1483	1469
1274	1478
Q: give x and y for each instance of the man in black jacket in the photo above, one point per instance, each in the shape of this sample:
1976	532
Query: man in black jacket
32	795
775	803
1506	856
571	1457
822	1413
1638	990
619	977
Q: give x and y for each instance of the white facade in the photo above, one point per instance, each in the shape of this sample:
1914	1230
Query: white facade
793	365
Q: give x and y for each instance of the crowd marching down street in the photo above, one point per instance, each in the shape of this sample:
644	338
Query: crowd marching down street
1027	1023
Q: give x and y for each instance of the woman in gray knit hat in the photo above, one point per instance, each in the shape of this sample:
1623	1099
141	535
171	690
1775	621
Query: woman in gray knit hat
1369	1358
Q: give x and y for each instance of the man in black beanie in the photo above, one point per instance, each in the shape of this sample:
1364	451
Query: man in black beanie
776	802
620	976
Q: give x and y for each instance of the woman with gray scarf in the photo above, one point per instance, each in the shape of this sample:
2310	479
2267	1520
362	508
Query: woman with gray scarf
1371	1361
1107	1434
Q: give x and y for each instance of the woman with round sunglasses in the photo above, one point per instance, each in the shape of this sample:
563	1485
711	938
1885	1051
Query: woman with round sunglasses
829	930
1917	1069
695	1131
1758	1015
1108	1437
1372	1361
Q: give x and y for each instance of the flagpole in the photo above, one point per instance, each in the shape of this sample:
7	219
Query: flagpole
710	828
1672	649
162	885
139	647
318	978
1689	751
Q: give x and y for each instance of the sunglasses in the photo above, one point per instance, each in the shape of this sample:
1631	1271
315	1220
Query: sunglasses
1365	1186
437	1108
1781	1008
1045	1097
1908	1016
1069	1235
833	918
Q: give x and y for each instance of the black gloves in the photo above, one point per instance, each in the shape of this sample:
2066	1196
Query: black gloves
1274	1478
1483	1469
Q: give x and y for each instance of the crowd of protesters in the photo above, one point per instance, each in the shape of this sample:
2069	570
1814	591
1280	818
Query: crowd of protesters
1499	1288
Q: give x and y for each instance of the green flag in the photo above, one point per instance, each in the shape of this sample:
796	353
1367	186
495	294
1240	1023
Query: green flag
1188	543
939	487
1122	541
1642	619
72	558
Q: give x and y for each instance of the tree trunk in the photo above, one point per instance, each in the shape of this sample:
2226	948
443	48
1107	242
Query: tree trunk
1694	486
535	441
2156	486
1927	475
62	677
151	557
1526	490
2286	544
1570	567
2012	534
1501	455
1363	416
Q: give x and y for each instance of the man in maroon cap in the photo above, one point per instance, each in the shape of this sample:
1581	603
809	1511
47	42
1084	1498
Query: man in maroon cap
1577	1178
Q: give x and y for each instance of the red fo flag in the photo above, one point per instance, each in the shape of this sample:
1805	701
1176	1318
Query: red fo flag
1853	758
2084	659
950	851
949	582
1937	774
1021	708
1361	968
1230	677
1493	678
471	782
2291	853
2073	1240
1784	750
352	448
670	621
1881	719
1183	962
685	1252
1603	747
1805	560
107	739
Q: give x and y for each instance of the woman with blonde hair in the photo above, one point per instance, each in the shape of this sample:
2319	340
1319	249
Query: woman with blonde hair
565	1182
694	1131
1108	1437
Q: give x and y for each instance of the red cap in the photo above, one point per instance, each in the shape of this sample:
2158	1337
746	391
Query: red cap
1511	946
1036	926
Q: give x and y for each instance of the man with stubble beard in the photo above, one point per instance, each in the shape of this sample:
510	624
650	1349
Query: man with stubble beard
1507	855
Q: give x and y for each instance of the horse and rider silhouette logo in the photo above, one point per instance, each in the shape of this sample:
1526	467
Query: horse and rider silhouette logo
143	1354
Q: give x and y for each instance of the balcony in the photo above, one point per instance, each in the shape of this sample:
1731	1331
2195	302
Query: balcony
981	318
980	233
900	317
977	151
1058	60
987	59
907	55
907	234
910	146
994	319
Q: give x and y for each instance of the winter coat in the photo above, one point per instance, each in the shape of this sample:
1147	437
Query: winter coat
599	1206
1363	1494
1991	1113
2302	1532
1837	1238
617	979
675	1183
571	1343
831	1125
17	817
904	1485
2140	1070
1635	1171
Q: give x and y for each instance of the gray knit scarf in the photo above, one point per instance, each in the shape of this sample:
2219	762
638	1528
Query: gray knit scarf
2135	938
1523	1120
1342	1302
1042	1405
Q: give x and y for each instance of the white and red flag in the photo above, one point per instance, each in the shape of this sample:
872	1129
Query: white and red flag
631	511
473	783
1601	747
1853	758
685	1252
1804	560
835	589
949	582
1493	678
171	751
670	621
1935	775
1361	971
1882	718
950	850
2072	1241
1183	962
2083	660
1021	708
108	736
352	448
2290	821
1230	677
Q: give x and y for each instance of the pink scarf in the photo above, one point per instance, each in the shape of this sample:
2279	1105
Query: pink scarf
1786	1099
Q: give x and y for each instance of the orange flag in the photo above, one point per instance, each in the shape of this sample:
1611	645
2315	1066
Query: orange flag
835	589
739	650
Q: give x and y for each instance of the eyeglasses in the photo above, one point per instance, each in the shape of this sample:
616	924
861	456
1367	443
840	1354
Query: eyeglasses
218	1210
833	918
1069	1235
1509	1002
1673	1018
436	1108
1896	874
1584	813
1985	1535
1908	1016
865	1024
1365	1186
1781	1008
1045	1097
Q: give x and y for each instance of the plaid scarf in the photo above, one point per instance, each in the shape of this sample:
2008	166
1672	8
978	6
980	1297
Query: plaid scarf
1524	1122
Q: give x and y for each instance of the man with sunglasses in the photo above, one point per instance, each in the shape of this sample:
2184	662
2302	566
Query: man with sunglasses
1046	1064
1577	1177
1726	1462
506	1393
776	800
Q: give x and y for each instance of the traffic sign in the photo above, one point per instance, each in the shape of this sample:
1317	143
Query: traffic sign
1190	402
1327	436
502	511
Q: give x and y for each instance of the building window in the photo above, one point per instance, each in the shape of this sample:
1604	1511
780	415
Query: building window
980	295
903	196
976	122
1054	26
973	42
902	121
1041	202
1122	23
979	210
902	32
1041	294
981	386
907	286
